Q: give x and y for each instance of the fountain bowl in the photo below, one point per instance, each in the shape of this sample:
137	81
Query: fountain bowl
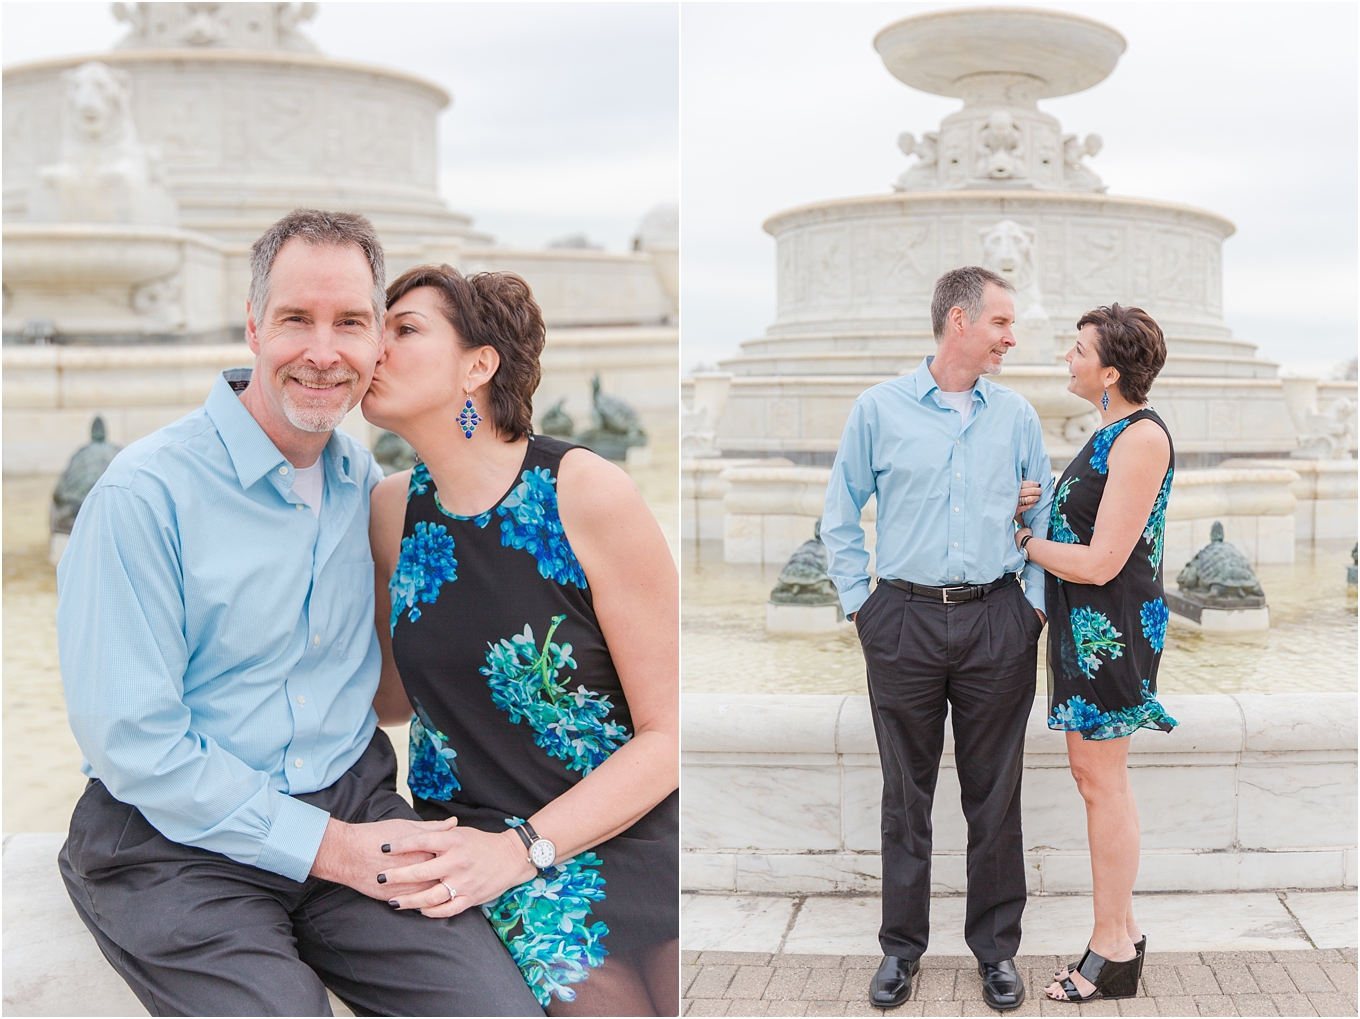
1045	53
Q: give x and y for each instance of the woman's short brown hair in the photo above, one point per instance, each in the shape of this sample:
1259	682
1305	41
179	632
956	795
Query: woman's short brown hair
1130	341
490	309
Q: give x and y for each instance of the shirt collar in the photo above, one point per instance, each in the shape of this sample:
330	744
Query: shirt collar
252	452
926	384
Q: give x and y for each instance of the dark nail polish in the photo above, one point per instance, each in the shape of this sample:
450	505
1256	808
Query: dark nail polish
394	903
382	879
387	847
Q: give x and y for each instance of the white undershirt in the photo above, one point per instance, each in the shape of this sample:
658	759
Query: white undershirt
961	402
308	485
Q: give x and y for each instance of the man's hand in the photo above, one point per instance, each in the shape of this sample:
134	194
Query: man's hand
352	855
1029	495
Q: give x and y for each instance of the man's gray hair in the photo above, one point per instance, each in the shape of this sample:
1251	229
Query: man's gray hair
962	288
315	227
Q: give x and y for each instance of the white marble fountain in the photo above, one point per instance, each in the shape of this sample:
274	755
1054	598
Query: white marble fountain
1256	789
136	180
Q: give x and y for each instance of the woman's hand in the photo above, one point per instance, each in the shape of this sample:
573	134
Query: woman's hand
479	866
1029	495
1020	535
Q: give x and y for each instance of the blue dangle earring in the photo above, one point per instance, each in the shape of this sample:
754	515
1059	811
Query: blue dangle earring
1104	402
468	418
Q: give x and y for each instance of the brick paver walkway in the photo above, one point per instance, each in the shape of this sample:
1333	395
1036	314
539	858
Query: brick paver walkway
1321	983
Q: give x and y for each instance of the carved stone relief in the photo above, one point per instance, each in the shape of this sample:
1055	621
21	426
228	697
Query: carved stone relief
828	264
1174	268
104	174
899	259
1096	259
1000	153
925	173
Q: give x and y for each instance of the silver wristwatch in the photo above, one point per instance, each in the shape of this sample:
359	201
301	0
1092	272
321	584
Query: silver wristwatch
542	853
1023	542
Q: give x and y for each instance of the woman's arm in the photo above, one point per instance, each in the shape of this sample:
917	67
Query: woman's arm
1138	463
635	591
387	514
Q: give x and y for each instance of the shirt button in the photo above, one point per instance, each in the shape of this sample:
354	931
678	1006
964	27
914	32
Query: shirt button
956	509
301	505
302	699
317	639
283	470
958	475
297	763
956	544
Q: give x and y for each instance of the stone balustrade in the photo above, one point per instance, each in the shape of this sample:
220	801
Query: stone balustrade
1251	791
1255	506
768	506
52	393
1324	494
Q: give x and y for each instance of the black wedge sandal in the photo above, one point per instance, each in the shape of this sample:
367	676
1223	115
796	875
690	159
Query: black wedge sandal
1112	980
1139	946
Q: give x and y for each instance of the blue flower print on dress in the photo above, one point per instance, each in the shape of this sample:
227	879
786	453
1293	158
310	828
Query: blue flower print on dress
434	769
1076	715
571	725
1126	721
420	480
1154	616
426	563
1094	634
531	523
1155	532
1058	528
1104	439
543	924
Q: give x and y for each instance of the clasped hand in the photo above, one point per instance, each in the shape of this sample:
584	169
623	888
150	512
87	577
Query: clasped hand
477	865
1029	496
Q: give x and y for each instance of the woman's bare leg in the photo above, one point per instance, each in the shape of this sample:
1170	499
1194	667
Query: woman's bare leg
643	983
661	971
1100	768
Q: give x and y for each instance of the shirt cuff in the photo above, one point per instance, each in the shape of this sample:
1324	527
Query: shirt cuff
294	837
852	599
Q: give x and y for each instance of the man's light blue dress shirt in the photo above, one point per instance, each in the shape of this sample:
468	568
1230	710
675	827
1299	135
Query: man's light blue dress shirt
218	651
947	491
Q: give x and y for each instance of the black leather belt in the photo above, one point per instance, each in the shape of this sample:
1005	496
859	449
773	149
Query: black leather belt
956	594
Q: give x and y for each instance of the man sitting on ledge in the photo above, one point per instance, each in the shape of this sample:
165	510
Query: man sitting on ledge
219	659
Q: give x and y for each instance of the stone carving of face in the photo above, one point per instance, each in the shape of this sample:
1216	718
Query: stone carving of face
97	100
1008	249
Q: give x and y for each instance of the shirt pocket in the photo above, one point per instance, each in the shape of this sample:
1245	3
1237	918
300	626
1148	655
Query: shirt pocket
353	616
997	465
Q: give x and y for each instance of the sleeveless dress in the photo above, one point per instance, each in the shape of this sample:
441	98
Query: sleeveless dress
515	700
1105	641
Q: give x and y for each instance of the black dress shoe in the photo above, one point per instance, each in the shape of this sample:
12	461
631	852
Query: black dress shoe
1002	986
891	984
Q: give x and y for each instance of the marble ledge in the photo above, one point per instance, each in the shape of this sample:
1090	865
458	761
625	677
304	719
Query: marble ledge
1210	723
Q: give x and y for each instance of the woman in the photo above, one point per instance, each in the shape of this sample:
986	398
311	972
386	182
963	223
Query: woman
528	613
1107	620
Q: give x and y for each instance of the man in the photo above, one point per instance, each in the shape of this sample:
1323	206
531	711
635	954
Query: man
948	626
219	659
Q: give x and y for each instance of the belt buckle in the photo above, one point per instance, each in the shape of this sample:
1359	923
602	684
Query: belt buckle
945	592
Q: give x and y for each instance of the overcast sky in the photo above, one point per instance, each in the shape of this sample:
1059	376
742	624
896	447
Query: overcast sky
564	116
1248	110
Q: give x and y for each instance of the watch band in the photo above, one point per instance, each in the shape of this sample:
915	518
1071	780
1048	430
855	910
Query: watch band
519	830
533	835
1026	540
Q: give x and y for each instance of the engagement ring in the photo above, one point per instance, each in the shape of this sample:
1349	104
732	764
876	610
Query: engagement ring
452	894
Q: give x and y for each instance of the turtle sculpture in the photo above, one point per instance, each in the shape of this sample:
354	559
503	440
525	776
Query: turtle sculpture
616	426
393	453
804	579
556	422
86	467
1219	576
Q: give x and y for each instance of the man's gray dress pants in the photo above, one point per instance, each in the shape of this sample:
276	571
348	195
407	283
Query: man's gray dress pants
977	660
194	933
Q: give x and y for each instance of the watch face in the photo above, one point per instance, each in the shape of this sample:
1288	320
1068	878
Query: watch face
542	854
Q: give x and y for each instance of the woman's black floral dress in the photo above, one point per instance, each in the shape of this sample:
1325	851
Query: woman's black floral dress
1105	642
516	699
